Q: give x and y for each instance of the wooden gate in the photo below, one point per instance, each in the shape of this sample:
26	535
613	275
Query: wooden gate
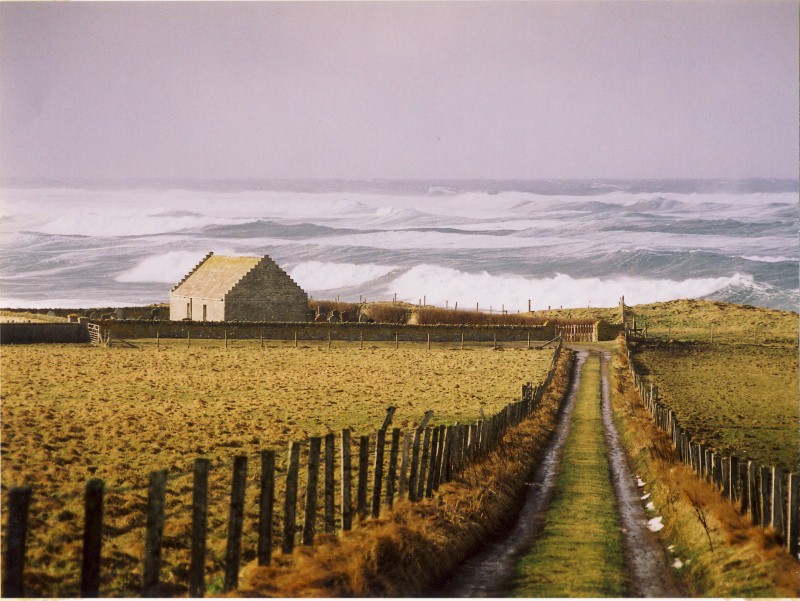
576	332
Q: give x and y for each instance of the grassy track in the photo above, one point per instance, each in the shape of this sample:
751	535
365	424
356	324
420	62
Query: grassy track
579	553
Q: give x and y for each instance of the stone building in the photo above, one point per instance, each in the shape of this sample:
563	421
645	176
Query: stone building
238	288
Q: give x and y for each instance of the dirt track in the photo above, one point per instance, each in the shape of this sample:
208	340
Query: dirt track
489	573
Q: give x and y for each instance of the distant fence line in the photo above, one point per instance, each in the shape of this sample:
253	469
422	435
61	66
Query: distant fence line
416	465
768	495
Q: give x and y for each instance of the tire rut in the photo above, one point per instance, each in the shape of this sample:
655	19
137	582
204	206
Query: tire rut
649	574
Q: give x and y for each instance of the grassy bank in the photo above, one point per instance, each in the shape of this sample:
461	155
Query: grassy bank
416	545
714	550
579	553
692	320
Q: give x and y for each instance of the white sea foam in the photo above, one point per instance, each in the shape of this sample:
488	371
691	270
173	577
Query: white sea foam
443	284
320	275
763	259
516	233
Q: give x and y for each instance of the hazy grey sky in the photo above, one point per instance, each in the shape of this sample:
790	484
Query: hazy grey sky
399	90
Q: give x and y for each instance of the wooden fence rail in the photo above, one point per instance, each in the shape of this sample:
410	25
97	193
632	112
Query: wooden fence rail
436	456
766	494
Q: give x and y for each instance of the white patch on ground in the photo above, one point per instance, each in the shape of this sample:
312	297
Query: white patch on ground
655	524
645	496
650	506
677	564
671	548
639	482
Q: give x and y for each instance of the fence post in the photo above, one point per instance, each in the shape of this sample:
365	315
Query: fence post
197	565
266	507
766	497
450	442
793	515
725	470
776	495
392	472
330	484
156	497
290	498
377	486
380	443
312	486
432	467
754	493
735	480
413	478
402	487
19	500
92	538
423	466
363	474
347	476
233	552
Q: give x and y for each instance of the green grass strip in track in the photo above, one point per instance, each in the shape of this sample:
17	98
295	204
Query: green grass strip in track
579	553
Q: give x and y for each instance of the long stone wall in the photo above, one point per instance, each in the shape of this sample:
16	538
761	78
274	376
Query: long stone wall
30	333
319	331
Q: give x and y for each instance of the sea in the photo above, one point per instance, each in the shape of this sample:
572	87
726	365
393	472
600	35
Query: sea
494	245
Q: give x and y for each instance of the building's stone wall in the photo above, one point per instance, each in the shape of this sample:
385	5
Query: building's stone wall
266	293
181	307
263	292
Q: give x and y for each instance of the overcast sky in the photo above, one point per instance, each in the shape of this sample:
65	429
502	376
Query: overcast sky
399	90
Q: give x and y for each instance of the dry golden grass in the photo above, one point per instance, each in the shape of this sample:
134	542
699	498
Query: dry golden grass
71	412
414	546
693	320
740	560
29	317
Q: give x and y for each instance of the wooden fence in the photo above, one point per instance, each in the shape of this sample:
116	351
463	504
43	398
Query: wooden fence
768	495
416	465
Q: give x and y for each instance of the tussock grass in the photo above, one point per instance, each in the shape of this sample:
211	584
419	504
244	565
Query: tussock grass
579	552
389	312
435	315
416	545
739	560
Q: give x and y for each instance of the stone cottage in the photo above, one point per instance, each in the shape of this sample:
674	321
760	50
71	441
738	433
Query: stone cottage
238	288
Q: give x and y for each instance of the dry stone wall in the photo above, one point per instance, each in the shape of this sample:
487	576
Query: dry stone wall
320	330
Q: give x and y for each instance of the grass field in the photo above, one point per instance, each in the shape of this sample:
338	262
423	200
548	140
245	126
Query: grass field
739	398
71	412
579	553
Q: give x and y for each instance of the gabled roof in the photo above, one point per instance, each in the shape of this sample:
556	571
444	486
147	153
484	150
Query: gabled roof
215	276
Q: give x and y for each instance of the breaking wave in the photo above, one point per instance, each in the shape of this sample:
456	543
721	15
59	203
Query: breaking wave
565	244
